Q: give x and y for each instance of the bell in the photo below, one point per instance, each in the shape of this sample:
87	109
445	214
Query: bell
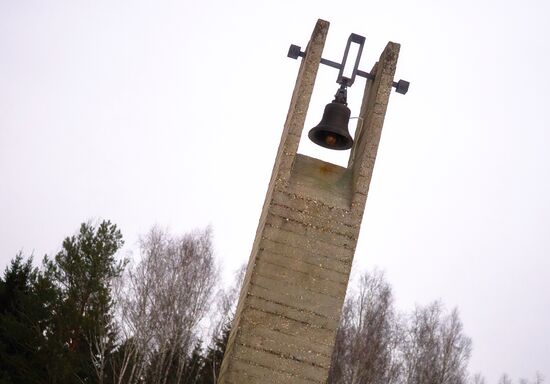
332	132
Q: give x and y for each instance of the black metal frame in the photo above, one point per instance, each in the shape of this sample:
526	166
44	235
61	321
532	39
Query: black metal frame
400	86
348	82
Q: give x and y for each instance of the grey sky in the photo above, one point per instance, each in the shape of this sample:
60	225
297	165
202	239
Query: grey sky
170	113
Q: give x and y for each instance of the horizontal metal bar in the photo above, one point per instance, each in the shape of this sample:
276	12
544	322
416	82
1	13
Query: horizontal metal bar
330	63
364	74
401	86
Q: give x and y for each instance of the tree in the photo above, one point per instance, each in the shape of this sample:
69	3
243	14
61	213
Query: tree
56	324
435	349
504	379
163	300
23	321
222	319
366	348
212	361
82	334
193	366
478	379
375	345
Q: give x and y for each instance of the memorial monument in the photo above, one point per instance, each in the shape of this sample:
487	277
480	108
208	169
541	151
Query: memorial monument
292	296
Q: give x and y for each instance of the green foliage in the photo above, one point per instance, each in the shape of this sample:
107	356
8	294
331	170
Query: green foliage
193	365
56	325
82	273
23	316
85	267
203	367
212	361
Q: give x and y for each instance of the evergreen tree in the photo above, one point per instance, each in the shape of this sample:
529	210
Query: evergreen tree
24	319
82	333
212	361
193	366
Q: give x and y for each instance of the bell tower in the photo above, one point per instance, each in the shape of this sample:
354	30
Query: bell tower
296	280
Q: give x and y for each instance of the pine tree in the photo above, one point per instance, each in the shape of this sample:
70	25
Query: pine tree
24	319
82	334
193	365
56	325
212	361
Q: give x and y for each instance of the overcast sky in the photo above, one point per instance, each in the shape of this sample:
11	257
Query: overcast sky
170	113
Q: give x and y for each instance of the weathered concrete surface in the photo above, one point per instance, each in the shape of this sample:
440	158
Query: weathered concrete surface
292	296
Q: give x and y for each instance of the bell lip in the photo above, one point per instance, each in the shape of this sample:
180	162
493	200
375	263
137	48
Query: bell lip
315	138
320	131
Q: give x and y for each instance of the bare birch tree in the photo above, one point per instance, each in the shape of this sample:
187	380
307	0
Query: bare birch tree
538	379
221	319
100	344
376	345
504	379
165	296
226	302
435	349
478	378
366	350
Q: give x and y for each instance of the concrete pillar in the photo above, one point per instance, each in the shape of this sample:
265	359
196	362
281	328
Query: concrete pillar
290	304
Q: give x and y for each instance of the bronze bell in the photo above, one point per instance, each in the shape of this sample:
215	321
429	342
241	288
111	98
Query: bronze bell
332	132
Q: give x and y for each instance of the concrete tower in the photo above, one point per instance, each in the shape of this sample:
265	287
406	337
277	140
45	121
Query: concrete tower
292	296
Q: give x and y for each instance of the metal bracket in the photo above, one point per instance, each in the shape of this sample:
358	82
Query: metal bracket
295	51
346	81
